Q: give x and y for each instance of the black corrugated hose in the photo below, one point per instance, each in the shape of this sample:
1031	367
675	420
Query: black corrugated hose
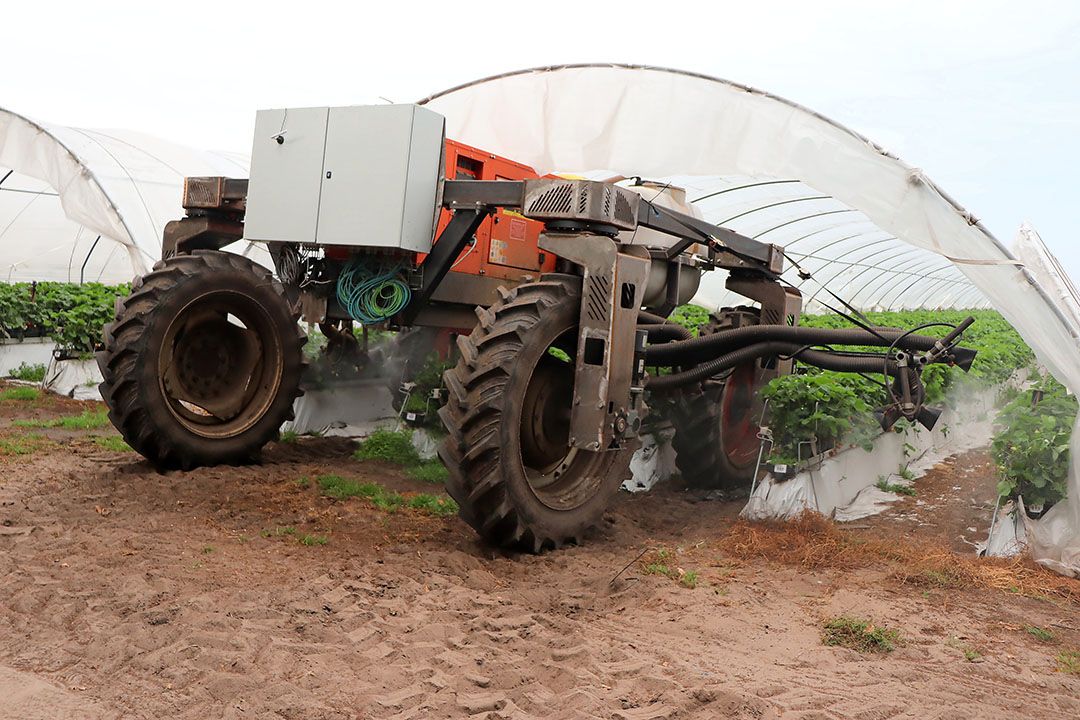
703	349
826	360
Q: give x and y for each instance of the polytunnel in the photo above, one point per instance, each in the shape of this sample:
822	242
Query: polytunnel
80	205
828	245
850	215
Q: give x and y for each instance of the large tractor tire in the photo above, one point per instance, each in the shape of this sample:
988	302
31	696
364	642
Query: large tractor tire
203	361
716	425
512	471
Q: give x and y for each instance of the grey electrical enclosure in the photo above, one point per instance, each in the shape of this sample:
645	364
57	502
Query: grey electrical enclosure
365	176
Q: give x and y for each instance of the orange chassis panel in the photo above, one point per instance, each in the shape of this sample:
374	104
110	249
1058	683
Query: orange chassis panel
505	245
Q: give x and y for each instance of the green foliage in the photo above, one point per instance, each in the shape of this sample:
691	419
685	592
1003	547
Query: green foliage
429	471
289	436
20	393
305	539
87	420
420	401
1069	662
1041	634
844	402
886	486
432	504
72	314
114	443
1001	351
658	568
29	373
24	444
690	317
559	354
970	653
1031	447
860	635
827	405
393	446
340	488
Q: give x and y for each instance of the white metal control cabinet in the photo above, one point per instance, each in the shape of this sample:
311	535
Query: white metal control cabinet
362	176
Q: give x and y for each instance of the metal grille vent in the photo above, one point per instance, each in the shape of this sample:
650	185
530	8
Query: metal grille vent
771	317
596	298
623	212
555	200
203	192
582	201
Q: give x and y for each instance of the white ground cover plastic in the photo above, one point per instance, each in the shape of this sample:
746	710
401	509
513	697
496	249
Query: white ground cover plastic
31	351
74	378
843	485
656	123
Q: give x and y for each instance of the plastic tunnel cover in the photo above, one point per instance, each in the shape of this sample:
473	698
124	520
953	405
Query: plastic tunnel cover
69	185
657	123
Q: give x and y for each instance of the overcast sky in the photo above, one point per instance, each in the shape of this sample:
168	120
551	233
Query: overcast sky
984	96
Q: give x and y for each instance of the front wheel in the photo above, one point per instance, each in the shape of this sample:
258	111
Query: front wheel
512	471
203	361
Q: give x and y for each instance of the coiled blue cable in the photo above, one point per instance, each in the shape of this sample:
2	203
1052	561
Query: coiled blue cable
371	296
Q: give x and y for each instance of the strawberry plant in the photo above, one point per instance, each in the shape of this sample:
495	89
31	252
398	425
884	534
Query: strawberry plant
835	408
1031	447
72	314
831	407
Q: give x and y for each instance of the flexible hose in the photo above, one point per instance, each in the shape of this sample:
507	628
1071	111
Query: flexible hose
647	318
750	353
660	328
703	349
665	333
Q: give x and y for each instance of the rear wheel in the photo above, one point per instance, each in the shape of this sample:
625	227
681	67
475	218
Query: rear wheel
203	361
512	470
716	426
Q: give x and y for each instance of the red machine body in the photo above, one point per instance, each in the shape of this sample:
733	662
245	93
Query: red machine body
505	246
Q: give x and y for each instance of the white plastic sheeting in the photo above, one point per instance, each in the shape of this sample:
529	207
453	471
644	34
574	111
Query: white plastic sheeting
843	484
67	186
839	246
658	123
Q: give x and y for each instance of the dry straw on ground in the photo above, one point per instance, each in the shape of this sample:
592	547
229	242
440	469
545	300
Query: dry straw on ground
814	542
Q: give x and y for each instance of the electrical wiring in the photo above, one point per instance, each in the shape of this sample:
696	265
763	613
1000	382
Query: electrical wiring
372	295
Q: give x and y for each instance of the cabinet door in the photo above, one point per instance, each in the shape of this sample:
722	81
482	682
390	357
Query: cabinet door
380	177
367	151
286	177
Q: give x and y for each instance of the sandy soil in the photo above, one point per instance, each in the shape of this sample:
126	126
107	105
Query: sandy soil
953	504
129	593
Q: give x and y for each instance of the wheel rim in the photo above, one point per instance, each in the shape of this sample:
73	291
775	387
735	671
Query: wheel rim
560	476
738	430
220	364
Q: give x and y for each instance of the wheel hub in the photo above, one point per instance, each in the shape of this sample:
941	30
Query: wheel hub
216	373
558	474
738	427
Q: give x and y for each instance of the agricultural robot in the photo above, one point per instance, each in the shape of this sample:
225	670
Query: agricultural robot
558	290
